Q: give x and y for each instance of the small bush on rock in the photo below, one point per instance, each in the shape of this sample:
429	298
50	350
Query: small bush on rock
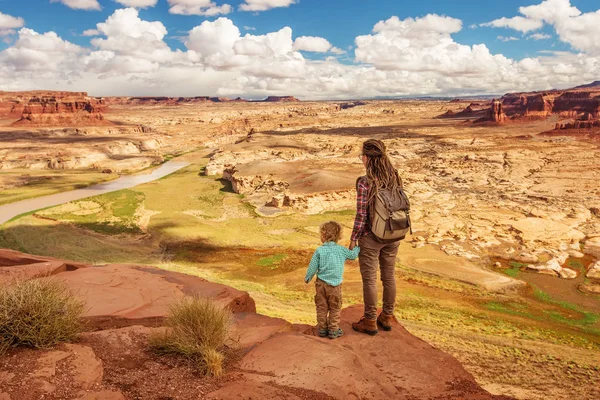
38	313
198	329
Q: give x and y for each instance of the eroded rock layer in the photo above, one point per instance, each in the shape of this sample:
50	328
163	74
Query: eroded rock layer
578	104
52	108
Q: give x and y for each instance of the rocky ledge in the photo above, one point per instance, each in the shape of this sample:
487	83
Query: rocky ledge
277	360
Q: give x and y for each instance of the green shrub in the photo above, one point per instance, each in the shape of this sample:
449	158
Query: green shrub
198	329
38	313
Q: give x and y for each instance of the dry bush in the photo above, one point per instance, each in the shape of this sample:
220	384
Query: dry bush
38	313
198	329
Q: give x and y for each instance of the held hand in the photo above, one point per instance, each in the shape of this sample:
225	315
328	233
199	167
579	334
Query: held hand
352	244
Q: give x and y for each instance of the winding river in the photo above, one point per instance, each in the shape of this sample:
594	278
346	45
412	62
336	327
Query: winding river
9	211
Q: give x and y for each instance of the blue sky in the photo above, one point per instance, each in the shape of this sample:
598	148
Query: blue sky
336	20
339	22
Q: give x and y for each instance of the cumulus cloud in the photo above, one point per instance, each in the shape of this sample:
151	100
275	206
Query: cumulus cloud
8	24
138	3
550	11
130	44
198	7
580	30
80	4
264	5
312	43
412	56
219	45
423	44
37	56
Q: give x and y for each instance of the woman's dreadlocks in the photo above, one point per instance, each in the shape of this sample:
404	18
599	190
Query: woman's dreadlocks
381	174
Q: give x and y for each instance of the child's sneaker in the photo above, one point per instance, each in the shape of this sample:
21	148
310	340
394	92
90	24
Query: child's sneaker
335	334
323	332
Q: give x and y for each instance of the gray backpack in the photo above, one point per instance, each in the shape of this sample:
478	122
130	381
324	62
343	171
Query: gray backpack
390	216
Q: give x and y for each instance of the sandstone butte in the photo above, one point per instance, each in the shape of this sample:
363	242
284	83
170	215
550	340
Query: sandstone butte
580	104
278	360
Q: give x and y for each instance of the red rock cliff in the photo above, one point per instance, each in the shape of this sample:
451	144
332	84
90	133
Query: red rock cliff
580	104
51	108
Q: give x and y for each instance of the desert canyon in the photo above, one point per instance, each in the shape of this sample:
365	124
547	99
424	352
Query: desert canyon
499	285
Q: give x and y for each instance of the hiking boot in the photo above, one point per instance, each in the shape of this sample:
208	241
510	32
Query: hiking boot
368	326
323	332
385	321
333	334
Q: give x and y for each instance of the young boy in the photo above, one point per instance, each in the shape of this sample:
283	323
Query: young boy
328	263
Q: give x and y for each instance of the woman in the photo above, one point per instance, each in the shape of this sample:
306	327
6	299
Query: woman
380	174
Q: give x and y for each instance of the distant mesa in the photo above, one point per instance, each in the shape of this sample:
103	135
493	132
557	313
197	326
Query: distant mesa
345	106
280	99
163	100
595	84
580	105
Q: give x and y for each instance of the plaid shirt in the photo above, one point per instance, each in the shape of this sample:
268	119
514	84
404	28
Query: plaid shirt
361	220
328	263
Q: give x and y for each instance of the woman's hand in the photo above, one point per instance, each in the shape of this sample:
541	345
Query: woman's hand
352	244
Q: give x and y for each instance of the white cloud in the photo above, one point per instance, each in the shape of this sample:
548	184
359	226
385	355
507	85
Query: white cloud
264	5
539	36
35	56
580	30
211	38
336	50
138	3
130	45
422	44
127	23
312	43
198	7
80	4
399	57
249	28
550	11
91	32
517	23
219	45
8	24
507	38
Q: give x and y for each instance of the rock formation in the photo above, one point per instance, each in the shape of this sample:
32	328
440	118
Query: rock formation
577	125
495	113
167	101
280	99
52	108
580	103
473	110
278	360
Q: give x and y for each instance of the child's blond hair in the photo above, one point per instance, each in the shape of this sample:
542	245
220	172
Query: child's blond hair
331	231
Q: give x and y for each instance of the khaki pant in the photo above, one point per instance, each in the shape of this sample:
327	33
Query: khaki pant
372	254
328	300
